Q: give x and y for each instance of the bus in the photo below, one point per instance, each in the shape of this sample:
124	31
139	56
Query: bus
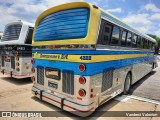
1	34
83	56
16	49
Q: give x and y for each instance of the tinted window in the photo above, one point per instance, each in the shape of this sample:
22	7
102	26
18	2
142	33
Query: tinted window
106	34
139	42
149	45
124	36
129	38
115	35
29	36
145	44
153	46
134	41
63	25
12	32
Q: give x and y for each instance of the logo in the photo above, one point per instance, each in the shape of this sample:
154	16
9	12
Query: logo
6	114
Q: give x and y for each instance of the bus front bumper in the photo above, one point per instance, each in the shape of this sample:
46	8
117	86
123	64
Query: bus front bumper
14	74
64	104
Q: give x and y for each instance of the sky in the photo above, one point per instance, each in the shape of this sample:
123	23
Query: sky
142	14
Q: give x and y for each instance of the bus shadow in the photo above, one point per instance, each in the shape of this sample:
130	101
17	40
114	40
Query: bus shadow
15	81
100	111
141	81
57	112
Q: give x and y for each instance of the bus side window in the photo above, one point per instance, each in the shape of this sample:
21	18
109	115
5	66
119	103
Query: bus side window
149	45
115	36
153	46
124	36
139	42
145	44
106	34
29	36
134	41
129	39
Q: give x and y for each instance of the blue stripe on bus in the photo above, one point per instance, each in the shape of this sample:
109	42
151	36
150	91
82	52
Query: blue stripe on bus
89	52
91	68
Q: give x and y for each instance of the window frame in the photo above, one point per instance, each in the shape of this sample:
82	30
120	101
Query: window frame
27	36
110	43
127	39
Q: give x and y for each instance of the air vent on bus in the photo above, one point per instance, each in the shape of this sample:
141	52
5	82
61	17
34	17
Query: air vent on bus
40	75
107	79
68	82
13	62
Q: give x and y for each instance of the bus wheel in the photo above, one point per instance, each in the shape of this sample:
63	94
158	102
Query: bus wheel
127	84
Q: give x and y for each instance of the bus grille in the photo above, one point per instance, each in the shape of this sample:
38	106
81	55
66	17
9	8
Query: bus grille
107	80
2	61
12	62
68	82
40	75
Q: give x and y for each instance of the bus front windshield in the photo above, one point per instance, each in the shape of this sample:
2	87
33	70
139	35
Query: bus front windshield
12	32
63	25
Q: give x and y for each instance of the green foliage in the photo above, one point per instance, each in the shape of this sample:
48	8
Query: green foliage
156	38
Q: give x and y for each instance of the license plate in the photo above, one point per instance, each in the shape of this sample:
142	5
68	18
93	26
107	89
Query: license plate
8	65
52	85
53	73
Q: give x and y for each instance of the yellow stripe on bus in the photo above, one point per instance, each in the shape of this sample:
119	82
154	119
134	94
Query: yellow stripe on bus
93	58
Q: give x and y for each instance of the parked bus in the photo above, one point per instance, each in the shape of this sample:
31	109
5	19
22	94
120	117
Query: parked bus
16	49
84	56
1	34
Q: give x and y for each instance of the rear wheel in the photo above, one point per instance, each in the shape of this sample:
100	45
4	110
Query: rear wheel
127	84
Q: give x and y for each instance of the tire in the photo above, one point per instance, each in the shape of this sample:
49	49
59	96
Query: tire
127	84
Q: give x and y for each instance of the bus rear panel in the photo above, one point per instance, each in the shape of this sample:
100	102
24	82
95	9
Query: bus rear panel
16	50
75	65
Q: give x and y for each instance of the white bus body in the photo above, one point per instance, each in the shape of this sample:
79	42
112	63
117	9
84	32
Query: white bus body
16	49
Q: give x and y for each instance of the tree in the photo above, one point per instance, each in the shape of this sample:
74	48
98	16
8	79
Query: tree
156	38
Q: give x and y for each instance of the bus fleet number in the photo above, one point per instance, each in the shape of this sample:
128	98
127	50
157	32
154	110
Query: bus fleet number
85	57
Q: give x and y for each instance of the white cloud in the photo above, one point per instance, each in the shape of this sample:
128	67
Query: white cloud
28	10
158	33
155	16
151	7
115	10
140	21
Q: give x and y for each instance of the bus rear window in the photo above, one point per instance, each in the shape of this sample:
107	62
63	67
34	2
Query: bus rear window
67	24
12	32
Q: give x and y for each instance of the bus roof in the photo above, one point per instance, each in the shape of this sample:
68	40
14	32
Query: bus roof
95	22
119	22
21	22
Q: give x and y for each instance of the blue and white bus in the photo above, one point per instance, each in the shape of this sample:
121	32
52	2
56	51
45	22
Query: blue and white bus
83	56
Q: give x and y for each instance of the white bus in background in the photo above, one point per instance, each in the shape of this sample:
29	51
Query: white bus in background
16	49
1	34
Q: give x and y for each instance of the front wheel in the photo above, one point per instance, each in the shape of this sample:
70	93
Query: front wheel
127	84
